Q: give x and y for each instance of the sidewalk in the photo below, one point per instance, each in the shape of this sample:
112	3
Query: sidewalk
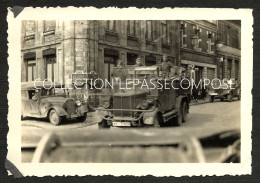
199	101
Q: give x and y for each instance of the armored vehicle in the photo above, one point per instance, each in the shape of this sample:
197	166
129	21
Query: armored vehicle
156	104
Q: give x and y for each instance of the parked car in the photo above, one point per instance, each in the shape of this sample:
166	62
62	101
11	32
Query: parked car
224	92
141	106
43	100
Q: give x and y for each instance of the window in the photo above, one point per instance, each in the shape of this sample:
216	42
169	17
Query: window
183	34
111	25
211	44
30	27
131	58
131	27
149	33
49	25
229	69
31	70
150	60
51	68
236	69
164	33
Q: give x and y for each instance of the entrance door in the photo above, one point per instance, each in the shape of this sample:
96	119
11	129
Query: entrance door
110	59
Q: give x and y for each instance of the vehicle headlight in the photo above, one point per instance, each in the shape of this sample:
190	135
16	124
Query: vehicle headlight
106	104
78	103
144	105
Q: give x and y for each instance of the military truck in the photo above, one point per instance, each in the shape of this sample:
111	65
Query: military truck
143	106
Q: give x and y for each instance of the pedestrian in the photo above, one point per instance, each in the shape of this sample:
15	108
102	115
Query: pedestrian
204	91
195	92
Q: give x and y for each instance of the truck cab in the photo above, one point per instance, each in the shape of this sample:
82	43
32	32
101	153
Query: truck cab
141	97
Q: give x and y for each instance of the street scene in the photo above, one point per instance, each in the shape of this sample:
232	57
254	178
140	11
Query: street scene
201	115
110	86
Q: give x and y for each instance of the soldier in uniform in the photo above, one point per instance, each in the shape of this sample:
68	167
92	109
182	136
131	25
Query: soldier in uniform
138	62
166	67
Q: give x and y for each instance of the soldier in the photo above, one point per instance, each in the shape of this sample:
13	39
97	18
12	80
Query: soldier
119	63
166	67
36	95
138	62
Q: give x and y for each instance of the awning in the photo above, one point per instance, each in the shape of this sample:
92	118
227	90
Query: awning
29	55
49	51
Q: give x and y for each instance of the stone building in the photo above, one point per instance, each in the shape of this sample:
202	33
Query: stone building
198	48
56	49
229	49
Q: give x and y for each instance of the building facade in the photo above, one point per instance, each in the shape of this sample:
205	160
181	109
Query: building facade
56	49
198	48
229	49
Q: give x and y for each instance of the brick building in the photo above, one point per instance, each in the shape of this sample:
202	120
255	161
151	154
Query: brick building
229	49
198	48
56	49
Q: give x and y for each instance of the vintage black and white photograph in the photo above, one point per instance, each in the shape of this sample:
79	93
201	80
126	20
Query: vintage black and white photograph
164	91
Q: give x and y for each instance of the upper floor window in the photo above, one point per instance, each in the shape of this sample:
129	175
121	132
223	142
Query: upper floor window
131	27
183	34
111	25
164	33
49	25
211	41
149	30
30	27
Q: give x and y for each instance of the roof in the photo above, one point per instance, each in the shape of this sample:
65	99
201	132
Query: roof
40	84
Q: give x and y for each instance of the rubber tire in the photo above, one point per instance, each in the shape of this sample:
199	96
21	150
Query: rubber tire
103	124
212	99
54	118
238	97
230	97
156	122
83	118
184	111
221	99
178	119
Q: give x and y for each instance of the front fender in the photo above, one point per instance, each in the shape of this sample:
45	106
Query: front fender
60	111
148	117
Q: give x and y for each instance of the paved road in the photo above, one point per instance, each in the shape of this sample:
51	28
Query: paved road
220	115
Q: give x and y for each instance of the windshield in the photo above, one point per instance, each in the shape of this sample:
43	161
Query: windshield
53	92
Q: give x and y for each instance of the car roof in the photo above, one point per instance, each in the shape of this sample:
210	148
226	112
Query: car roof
39	84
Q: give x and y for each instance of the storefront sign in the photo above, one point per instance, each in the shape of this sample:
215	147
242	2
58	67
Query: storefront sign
198	58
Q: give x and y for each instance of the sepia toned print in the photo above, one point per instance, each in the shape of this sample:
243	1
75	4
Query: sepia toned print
163	92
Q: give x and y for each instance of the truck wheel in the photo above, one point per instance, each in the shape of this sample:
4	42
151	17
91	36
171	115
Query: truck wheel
212	99
83	118
221	99
103	124
230	97
156	122
54	118
184	111
179	118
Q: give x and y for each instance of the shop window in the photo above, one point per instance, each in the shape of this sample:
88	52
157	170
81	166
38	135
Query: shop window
131	27
149	30
111	25
131	58
51	67
31	70
236	69
150	60
229	67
